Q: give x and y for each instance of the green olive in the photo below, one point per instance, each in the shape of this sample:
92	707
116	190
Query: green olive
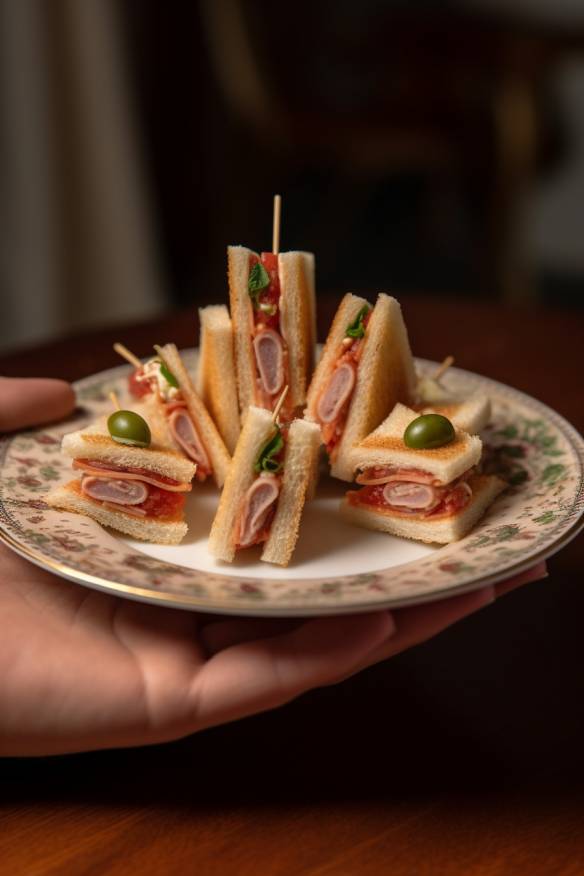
428	432
127	427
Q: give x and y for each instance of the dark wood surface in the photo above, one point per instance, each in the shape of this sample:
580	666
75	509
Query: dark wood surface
462	756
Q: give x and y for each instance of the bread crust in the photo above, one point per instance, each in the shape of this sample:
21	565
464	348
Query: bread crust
301	455
298	320
216	383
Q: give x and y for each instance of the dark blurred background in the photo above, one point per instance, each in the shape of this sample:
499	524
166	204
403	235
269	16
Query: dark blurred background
432	147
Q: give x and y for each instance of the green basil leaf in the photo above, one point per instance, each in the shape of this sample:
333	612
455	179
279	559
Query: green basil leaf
258	279
265	461
168	375
356	329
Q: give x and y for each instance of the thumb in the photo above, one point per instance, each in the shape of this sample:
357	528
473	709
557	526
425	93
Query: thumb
31	401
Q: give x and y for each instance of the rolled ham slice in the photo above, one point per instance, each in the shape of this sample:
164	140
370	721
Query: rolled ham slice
119	492
338	390
269	352
185	434
411	496
256	506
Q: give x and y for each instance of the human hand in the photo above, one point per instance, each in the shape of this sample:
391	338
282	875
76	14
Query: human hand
83	670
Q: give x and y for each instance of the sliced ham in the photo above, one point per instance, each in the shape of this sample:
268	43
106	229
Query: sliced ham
257	504
409	497
269	353
387	474
336	393
106	470
120	492
412	496
185	434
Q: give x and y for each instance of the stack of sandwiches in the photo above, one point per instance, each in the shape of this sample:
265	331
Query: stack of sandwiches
263	451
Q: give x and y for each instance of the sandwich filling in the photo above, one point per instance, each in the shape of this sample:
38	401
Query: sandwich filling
138	492
333	404
269	346
411	491
155	378
259	504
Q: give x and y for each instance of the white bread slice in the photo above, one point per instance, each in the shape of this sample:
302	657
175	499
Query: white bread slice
95	442
301	458
215	382
441	529
257	429
385	375
242	319
216	449
69	497
471	415
385	446
297	321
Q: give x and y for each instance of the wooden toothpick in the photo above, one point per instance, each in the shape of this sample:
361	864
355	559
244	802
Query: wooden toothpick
443	368
276	225
115	400
279	404
127	355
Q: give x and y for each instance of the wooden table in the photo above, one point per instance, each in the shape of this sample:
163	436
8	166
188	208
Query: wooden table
463	756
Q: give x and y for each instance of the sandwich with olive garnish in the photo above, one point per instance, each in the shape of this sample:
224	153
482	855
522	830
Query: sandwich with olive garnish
365	368
216	383
126	481
266	487
418	477
469	413
166	397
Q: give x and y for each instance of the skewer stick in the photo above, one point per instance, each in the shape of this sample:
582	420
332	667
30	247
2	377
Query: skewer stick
127	355
115	400
276	225
279	404
443	368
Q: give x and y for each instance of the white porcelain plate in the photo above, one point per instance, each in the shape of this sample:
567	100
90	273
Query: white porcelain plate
336	567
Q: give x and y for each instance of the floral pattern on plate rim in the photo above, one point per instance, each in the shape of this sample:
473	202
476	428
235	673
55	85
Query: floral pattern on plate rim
540	454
